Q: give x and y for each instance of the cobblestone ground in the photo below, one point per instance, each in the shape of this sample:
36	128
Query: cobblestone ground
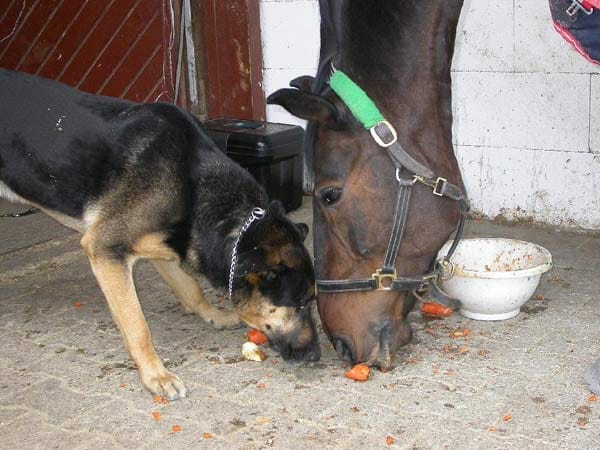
66	380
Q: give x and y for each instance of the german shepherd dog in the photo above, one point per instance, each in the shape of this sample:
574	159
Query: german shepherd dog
144	181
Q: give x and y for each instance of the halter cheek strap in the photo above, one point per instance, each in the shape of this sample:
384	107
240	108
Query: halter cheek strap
408	172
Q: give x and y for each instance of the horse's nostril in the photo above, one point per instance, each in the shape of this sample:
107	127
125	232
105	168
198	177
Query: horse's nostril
385	339
344	350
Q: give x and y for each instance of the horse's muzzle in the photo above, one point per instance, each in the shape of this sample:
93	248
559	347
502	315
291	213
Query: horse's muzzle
378	349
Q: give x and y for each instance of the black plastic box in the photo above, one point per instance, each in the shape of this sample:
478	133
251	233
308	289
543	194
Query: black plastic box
271	152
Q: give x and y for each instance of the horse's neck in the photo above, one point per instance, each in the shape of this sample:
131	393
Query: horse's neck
402	58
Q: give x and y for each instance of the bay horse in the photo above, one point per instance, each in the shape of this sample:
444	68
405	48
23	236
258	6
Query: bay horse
400	53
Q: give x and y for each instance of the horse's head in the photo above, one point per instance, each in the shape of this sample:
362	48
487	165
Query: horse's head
355	185
355	197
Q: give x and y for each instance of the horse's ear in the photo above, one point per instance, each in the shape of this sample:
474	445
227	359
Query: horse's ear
305	105
304	83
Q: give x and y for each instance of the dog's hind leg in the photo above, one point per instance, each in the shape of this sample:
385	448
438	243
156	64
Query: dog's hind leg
190	295
114	274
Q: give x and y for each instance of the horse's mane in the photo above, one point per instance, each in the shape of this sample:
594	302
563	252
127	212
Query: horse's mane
330	11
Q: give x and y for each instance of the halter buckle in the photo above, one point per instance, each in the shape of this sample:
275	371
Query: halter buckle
384	134
380	277
427	280
437	185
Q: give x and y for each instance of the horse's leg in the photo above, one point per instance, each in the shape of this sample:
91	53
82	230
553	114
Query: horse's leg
592	377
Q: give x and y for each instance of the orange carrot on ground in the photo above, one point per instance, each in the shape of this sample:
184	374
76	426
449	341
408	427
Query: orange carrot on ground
207	436
389	440
175	428
461	333
156	415
435	309
160	399
257	337
359	372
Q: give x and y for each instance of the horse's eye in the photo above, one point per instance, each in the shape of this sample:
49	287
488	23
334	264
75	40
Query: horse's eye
330	195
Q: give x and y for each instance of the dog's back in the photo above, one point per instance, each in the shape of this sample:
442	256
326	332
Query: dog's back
52	149
62	149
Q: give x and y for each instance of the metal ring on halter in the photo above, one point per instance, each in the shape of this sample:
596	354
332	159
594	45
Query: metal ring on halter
399	179
447	269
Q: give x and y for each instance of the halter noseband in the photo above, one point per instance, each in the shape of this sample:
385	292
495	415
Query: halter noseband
408	172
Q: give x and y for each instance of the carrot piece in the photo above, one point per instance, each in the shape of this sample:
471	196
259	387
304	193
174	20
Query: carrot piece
592	398
359	372
175	428
207	436
160	399
461	333
156	415
507	418
435	309
389	440
256	337
77	305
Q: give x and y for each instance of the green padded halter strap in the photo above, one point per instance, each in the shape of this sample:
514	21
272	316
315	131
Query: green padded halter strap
362	107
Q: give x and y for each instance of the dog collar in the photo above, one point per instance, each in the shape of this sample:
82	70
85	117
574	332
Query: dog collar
256	214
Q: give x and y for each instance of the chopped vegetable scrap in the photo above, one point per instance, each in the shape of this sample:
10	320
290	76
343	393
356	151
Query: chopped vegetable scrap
359	372
160	399
251	352
257	337
461	333
435	309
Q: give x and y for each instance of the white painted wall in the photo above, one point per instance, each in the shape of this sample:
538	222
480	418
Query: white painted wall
526	106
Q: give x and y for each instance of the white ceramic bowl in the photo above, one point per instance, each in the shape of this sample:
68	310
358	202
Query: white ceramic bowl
494	277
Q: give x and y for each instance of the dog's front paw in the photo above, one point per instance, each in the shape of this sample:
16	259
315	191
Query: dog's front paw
164	383
223	319
592	377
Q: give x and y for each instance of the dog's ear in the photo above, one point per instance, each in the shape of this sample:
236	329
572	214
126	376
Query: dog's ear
305	105
302	230
251	261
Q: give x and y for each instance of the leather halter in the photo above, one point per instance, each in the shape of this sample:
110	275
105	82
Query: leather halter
408	172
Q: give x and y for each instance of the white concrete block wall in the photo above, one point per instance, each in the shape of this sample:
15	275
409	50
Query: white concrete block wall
290	34
526	106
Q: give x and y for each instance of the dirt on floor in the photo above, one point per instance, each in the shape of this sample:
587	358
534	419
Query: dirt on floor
66	380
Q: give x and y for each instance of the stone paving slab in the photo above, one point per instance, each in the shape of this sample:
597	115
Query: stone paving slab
66	380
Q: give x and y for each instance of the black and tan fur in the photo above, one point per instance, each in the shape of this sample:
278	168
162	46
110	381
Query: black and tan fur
143	181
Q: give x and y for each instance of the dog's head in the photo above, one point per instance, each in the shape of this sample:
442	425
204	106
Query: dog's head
274	285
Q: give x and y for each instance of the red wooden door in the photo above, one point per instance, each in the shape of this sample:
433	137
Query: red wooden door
121	48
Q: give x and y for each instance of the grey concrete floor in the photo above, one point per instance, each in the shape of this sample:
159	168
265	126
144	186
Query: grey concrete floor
66	380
